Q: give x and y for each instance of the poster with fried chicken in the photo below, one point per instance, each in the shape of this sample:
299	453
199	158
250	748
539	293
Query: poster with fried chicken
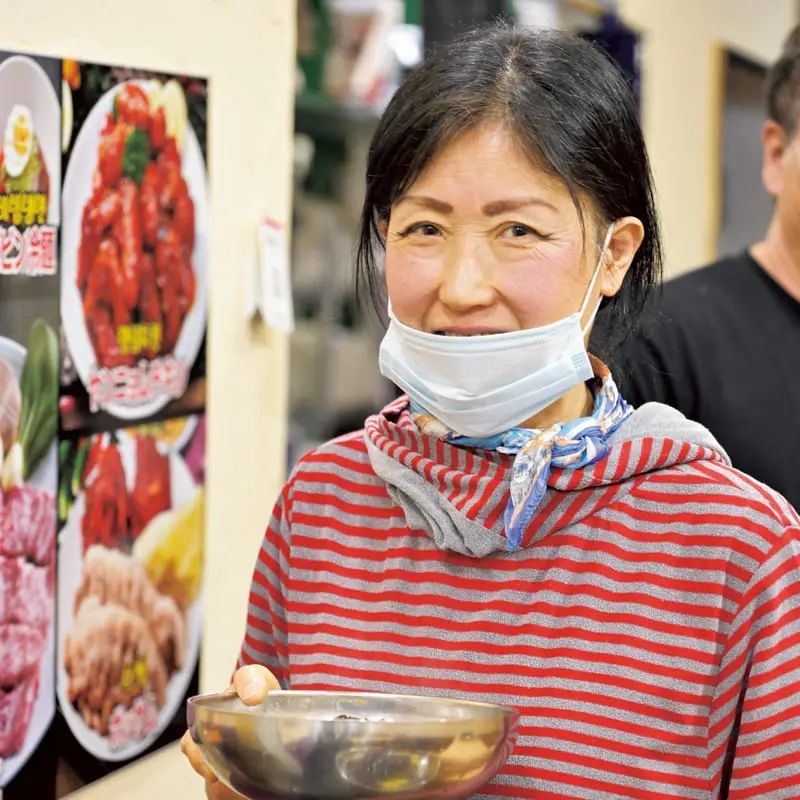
133	299
129	593
134	246
30	177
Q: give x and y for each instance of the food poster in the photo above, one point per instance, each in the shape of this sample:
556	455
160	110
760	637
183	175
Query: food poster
30	181
130	503
135	247
133	299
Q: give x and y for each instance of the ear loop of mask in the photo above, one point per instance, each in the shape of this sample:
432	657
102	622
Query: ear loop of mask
585	328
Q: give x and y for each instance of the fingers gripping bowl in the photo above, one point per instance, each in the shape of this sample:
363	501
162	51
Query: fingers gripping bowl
351	746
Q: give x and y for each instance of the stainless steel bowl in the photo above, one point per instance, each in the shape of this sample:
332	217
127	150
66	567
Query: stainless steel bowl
350	745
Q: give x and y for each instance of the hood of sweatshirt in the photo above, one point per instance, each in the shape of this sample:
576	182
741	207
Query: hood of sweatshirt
458	495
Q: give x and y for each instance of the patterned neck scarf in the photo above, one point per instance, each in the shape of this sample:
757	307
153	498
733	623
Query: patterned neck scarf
569	445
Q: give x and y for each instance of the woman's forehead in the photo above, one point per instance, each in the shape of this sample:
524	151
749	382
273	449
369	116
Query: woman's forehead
487	167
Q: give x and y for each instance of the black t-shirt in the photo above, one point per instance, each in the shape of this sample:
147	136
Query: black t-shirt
722	345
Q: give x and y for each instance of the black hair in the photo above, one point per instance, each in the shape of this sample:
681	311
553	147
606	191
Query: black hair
569	109
783	84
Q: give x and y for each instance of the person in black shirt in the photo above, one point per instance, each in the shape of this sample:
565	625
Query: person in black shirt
722	344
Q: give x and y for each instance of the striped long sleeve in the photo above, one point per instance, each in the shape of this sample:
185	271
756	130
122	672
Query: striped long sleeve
757	696
648	631
265	639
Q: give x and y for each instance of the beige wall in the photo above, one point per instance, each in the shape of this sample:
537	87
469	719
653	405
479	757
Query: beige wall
246	48
681	89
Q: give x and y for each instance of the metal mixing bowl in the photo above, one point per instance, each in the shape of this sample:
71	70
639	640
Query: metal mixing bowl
350	745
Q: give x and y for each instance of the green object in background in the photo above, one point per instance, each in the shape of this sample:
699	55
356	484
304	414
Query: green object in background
313	64
330	124
414	12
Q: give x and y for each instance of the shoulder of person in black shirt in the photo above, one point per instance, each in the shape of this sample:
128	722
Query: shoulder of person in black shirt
665	357
722	344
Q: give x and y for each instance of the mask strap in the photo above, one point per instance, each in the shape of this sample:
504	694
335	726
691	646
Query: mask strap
593	281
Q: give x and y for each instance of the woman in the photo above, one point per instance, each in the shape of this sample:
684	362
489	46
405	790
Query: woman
512	530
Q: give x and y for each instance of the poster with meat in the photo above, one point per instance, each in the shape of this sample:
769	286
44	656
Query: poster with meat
130	571
30	169
134	246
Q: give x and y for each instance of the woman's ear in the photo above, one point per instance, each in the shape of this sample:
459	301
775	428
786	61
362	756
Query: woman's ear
626	239
383	227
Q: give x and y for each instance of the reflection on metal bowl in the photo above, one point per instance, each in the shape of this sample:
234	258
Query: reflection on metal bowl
383	770
352	746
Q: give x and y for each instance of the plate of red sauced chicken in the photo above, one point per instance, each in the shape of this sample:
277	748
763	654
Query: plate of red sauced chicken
134	240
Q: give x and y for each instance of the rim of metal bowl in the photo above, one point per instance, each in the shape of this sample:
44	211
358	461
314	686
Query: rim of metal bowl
206	700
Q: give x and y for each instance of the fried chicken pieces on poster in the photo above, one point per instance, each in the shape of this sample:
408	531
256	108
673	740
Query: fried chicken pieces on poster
104	641
114	516
137	234
127	638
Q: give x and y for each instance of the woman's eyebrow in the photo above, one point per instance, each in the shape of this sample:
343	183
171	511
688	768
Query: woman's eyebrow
427	202
491	209
502	206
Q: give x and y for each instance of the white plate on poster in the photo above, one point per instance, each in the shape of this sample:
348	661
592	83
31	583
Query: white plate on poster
70	570
77	191
188	427
185	436
44	707
24	82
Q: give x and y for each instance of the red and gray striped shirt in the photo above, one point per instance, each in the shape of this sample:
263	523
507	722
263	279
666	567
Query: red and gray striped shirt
648	630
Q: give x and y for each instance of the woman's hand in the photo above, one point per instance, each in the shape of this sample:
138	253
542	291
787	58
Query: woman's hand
252	684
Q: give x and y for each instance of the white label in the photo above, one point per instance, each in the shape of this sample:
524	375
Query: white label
274	292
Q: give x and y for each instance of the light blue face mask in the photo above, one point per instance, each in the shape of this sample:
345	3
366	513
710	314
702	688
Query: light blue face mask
483	385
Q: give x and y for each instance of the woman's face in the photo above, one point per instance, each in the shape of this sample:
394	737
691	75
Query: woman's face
485	242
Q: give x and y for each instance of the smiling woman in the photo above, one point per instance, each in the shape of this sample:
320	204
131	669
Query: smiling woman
469	252
511	530
556	117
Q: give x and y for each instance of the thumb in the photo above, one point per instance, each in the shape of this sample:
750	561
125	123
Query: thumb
253	683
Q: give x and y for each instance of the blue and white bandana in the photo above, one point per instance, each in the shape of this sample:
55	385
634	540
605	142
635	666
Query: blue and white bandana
569	445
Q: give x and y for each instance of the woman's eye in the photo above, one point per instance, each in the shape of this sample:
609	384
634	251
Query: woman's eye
423	229
426	229
518	231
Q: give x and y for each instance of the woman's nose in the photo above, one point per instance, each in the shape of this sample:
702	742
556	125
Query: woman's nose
466	277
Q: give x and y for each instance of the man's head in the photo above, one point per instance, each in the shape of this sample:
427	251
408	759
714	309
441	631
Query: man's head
781	136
